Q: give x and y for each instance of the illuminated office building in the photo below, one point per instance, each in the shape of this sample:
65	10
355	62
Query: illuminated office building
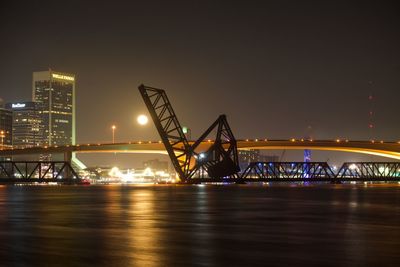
55	94
254	155
26	121
247	156
5	128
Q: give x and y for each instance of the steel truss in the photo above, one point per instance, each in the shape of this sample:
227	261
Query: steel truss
169	128
364	170
285	170
37	169
220	160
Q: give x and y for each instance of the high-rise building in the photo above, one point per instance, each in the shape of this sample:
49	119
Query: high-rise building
247	156
5	128
55	94
26	122
253	155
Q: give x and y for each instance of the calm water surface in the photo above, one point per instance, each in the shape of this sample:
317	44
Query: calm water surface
237	225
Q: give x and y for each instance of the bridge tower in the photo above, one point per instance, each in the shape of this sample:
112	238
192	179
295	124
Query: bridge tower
307	153
371	115
219	160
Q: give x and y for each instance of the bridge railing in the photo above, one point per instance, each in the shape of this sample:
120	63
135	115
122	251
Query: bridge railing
37	169
288	170
373	170
381	171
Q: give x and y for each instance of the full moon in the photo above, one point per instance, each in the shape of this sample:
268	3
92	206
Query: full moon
142	119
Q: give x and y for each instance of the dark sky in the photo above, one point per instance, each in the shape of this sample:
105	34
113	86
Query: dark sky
274	67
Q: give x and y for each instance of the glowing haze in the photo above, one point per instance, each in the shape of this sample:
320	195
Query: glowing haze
277	69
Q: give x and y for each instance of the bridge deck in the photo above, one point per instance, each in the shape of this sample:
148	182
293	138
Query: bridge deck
384	149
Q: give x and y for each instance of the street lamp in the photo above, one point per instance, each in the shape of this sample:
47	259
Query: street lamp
113	133
188	132
2	139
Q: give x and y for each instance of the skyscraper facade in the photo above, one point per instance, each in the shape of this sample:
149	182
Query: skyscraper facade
54	93
247	156
26	124
5	128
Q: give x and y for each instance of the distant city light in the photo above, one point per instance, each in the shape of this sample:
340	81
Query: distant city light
142	119
138	176
353	167
18	105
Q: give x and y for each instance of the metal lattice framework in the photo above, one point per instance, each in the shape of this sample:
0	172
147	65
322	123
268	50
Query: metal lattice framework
274	170
168	127
37	169
366	170
220	159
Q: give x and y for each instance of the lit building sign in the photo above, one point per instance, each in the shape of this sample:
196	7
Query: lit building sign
62	77
18	105
62	121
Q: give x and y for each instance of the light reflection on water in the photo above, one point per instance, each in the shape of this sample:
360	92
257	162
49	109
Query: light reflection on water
235	225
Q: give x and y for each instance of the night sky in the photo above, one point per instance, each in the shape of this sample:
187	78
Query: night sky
274	67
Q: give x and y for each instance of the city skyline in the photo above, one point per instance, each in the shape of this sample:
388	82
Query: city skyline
274	69
199	133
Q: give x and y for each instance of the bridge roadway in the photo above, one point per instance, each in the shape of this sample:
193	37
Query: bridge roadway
384	149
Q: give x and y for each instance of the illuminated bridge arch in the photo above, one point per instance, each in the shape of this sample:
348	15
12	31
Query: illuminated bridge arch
384	149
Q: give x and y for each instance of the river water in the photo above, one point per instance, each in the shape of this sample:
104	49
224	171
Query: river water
197	225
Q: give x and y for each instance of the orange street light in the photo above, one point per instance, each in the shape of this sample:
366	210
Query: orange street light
113	133
2	139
